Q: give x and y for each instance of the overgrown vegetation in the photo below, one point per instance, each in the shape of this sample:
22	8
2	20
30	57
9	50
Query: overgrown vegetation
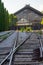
3	37
41	22
40	32
6	19
22	29
12	20
27	29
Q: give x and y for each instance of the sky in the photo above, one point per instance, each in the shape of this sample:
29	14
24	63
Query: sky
14	5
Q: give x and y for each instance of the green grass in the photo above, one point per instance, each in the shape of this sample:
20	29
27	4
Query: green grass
3	37
25	29
39	32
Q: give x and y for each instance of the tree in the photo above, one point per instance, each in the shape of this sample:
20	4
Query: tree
13	20
42	21
4	18
1	16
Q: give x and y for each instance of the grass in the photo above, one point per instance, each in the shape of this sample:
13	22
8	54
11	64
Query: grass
39	32
3	37
27	29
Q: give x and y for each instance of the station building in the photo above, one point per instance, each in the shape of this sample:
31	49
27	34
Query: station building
28	16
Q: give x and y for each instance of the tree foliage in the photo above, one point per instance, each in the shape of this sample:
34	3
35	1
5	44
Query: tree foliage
13	20
42	21
4	18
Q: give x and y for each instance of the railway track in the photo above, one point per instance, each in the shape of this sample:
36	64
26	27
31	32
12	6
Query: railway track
4	36
22	53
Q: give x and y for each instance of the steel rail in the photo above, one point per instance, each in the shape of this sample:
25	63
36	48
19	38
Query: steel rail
9	53
40	41
40	46
11	57
14	50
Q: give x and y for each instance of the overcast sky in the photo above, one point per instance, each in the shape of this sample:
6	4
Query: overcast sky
14	5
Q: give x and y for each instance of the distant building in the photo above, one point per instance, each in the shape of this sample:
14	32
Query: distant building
28	16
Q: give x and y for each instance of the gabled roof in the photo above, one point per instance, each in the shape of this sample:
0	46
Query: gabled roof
31	8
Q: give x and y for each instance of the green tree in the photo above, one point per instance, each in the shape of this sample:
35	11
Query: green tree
13	20
4	18
42	21
1	16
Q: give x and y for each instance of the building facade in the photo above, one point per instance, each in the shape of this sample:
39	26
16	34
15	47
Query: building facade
30	15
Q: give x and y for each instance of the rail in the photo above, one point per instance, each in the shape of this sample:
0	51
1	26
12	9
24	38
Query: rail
14	50
40	46
40	41
10	54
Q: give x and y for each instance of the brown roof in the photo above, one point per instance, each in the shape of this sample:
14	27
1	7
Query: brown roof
31	8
